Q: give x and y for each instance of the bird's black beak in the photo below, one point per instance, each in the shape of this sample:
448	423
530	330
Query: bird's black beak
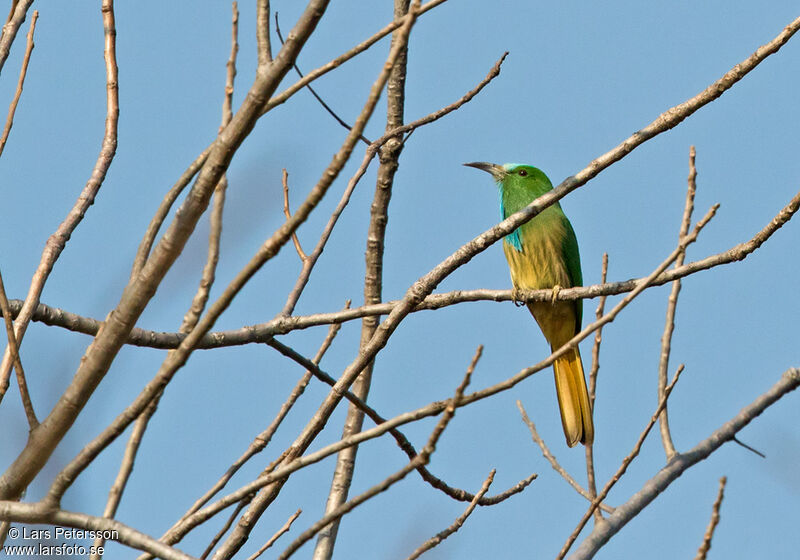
496	171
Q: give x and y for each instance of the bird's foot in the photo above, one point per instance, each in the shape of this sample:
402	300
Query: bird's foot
517	297
556	289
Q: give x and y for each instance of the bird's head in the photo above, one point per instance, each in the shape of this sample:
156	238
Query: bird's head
516	176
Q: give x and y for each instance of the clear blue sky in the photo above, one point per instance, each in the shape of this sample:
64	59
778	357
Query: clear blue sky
579	79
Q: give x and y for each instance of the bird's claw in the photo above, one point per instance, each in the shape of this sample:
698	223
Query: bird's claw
516	297
556	289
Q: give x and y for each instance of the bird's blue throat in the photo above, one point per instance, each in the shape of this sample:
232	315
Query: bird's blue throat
512	238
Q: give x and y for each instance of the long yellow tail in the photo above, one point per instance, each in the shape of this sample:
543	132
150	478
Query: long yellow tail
573	398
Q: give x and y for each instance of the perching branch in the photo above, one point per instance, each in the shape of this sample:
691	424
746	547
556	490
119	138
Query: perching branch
265	331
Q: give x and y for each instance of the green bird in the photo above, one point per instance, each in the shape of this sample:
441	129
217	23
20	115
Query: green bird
543	253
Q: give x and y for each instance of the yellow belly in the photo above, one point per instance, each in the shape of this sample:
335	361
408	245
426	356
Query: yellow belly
539	269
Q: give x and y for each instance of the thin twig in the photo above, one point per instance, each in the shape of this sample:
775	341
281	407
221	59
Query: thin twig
553	461
598	339
288	214
27	404
702	552
457	524
422	458
279	533
215	221
601	534
325	106
623	467
672	303
224	529
12	108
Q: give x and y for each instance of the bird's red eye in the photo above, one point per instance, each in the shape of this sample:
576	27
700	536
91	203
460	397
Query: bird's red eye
522	173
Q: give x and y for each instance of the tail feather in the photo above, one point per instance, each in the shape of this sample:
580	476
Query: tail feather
573	399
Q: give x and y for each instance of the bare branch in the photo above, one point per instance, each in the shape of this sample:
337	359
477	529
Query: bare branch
702	552
554	462
672	303
12	109
262	33
789	381
457	524
265	497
